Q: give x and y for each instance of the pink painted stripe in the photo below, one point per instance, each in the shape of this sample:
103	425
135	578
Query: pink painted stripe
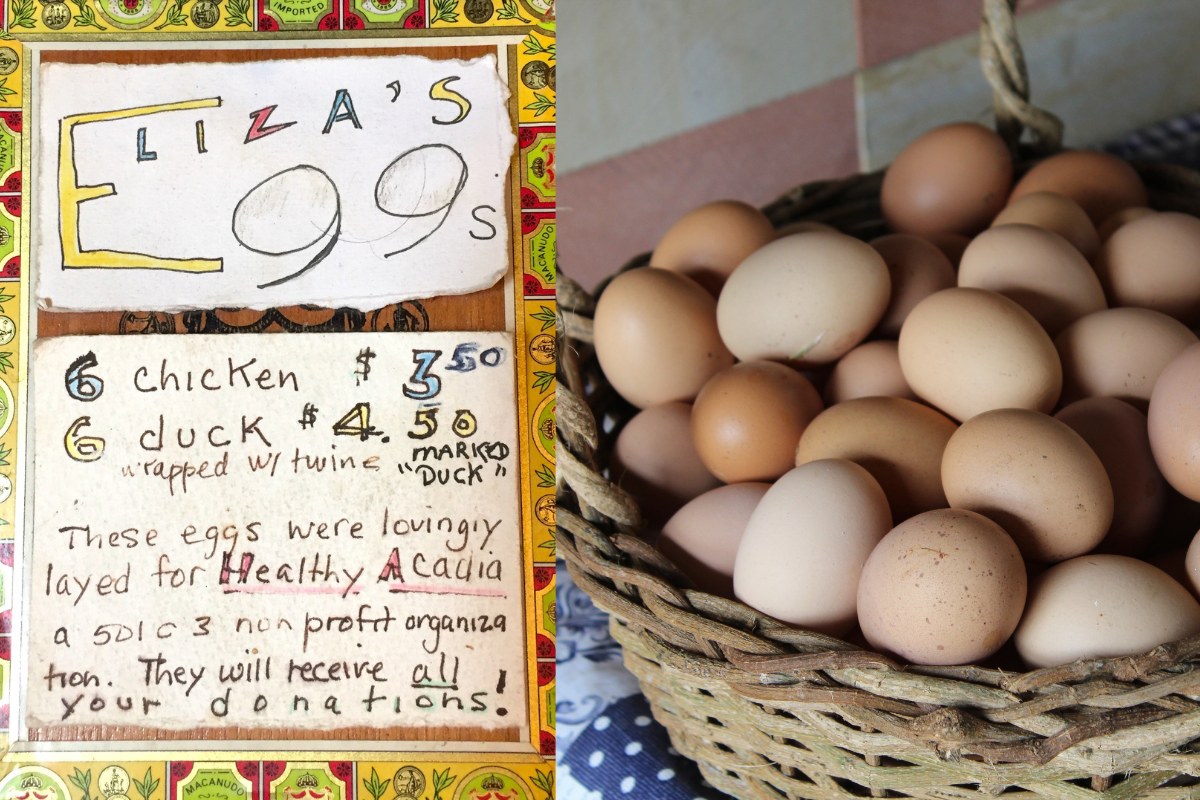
611	211
408	587
284	589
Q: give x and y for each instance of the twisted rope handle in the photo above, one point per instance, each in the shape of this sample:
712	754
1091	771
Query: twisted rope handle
1003	65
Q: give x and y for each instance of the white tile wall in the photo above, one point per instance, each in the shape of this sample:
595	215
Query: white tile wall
1104	66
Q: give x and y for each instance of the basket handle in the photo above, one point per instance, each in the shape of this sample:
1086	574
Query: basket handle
1003	65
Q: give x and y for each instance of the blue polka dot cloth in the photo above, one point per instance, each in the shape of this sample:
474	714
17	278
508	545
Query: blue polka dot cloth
625	753
609	745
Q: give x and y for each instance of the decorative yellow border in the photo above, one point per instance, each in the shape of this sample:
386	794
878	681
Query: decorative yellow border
158	775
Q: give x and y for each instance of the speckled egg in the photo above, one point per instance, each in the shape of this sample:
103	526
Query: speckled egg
1035	477
1119	352
1117	434
1102	606
967	351
945	587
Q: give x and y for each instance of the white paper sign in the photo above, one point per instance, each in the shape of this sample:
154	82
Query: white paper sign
315	531
351	181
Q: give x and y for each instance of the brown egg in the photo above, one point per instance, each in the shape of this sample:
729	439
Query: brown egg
655	461
870	370
1191	566
1102	606
1174	423
1173	562
656	336
805	226
953	179
917	269
1110	225
898	441
1116	432
945	587
708	243
952	244
1119	352
702	538
1038	269
1057	213
1035	477
748	420
1154	262
806	543
807	298
1099	182
970	350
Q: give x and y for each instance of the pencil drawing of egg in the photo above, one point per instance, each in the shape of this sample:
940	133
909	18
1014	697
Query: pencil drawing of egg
289	215
288	212
419	187
422	181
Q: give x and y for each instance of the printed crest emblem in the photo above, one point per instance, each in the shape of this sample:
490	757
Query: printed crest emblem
307	782
409	783
9	60
544	510
114	783
206	13
543	428
33	783
543	348
131	15
493	783
56	15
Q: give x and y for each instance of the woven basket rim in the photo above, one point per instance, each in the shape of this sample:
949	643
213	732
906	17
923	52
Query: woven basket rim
597	526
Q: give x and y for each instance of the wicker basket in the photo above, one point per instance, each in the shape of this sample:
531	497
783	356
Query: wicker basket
772	712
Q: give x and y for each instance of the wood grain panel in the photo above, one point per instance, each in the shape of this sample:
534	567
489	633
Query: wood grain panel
478	311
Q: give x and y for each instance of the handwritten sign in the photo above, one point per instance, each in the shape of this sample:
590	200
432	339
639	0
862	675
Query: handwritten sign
356	181
314	531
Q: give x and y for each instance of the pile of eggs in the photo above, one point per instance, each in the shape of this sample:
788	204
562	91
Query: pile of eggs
1009	388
